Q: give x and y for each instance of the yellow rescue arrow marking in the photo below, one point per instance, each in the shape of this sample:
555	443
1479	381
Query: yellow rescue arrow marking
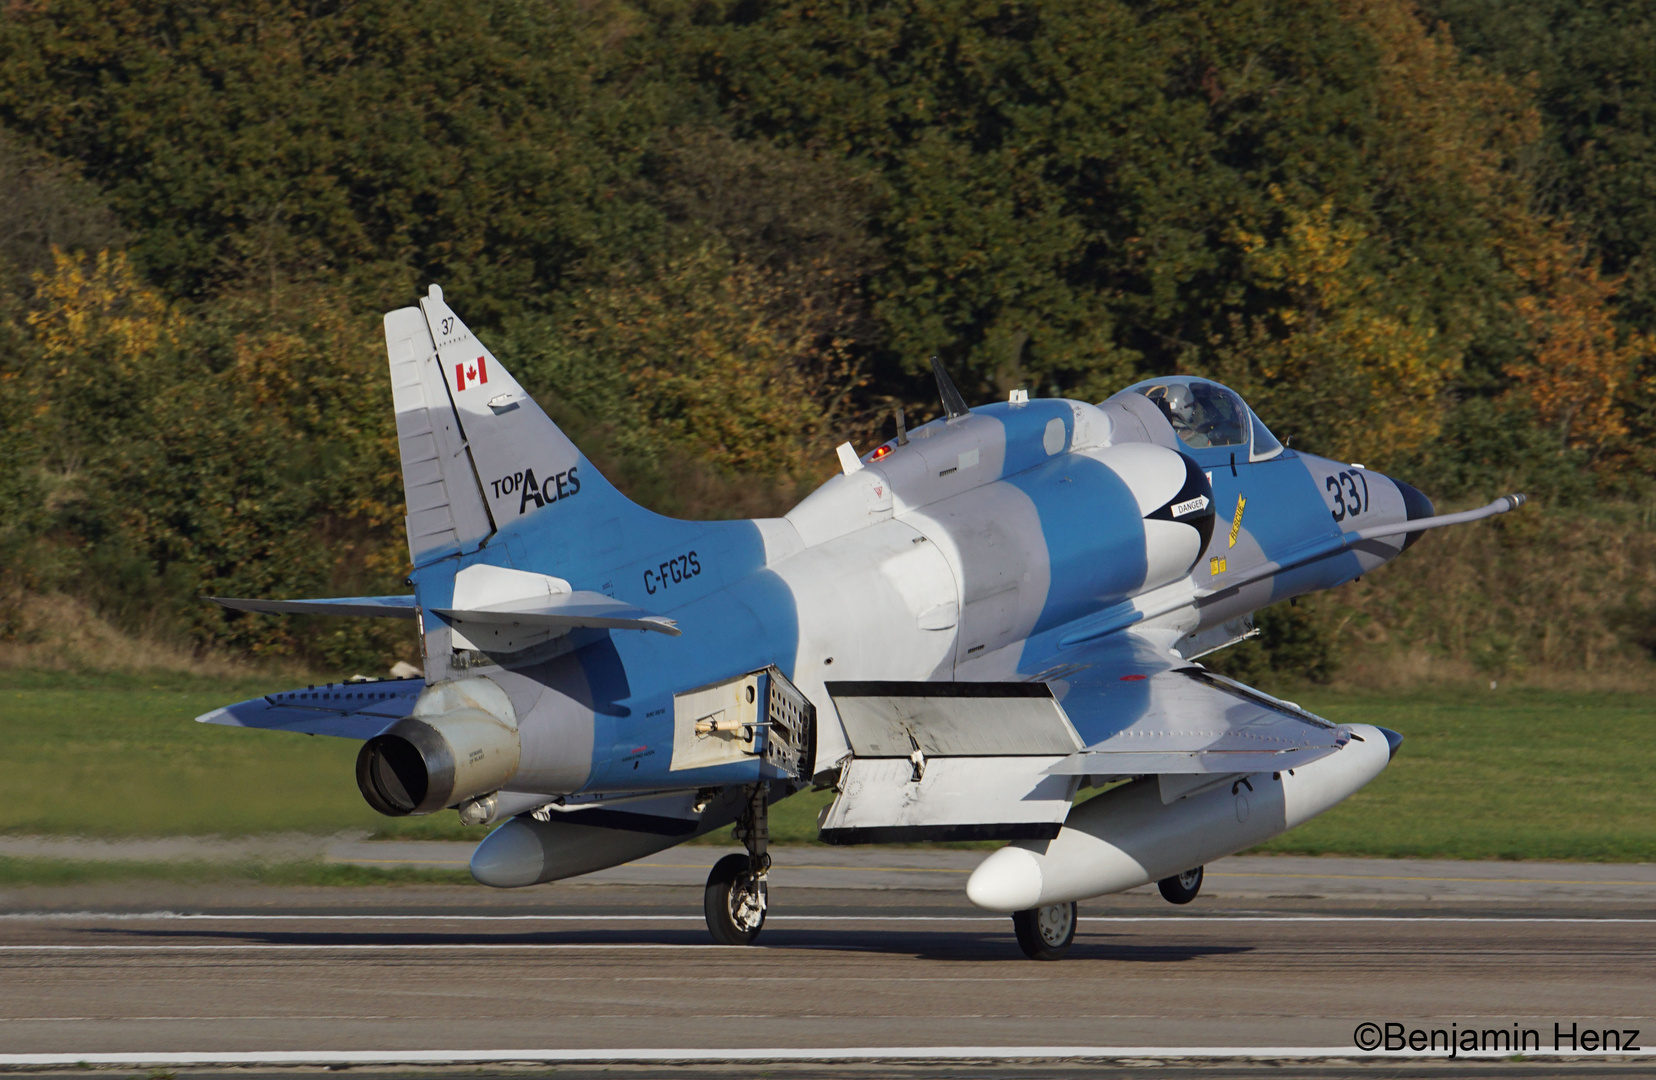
1236	522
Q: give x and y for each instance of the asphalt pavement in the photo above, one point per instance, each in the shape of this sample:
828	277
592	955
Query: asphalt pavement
869	955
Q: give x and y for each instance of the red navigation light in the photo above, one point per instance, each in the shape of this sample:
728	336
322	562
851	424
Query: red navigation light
880	452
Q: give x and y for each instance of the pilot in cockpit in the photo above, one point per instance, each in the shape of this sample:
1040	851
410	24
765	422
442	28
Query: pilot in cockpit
1202	414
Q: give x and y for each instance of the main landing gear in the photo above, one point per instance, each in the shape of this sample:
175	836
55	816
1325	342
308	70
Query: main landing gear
1181	888
734	900
1045	933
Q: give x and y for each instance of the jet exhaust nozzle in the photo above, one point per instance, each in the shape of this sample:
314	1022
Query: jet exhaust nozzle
461	741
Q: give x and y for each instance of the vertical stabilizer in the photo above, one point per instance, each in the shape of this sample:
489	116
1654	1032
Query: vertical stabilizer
484	465
446	510
524	463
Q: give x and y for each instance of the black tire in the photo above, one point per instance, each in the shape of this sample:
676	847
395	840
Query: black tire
728	902
1045	933
1181	888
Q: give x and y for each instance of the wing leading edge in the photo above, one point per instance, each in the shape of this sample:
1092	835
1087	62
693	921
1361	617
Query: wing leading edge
1142	709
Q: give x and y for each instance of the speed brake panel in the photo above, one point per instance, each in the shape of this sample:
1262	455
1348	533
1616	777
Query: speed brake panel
759	716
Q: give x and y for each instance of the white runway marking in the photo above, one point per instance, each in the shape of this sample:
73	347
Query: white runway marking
346	946
780	1054
175	916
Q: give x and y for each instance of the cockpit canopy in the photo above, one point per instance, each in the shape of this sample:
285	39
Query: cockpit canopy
1205	414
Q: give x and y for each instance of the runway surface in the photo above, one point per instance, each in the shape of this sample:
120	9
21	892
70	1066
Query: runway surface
877	957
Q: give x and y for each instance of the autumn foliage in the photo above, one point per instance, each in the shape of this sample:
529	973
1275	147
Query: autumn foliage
719	238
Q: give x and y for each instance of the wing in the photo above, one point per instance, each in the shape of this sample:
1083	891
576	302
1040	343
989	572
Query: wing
998	761
1140	708
346	710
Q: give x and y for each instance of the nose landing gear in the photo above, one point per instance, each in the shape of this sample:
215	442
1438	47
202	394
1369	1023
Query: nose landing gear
737	888
1045	933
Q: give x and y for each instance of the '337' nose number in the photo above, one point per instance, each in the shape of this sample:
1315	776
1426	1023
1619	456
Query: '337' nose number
1348	500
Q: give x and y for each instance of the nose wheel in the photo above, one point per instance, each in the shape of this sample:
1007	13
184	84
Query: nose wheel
1045	933
1181	888
737	888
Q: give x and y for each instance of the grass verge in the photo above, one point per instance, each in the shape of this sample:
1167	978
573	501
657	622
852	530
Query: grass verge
1513	774
1522	774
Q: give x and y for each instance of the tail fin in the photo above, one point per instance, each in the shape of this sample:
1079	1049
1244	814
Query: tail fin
478	454
446	511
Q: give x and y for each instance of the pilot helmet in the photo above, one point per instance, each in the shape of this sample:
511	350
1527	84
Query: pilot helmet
1180	402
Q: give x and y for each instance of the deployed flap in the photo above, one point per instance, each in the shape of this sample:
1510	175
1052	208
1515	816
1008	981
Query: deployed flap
396	607
883	801
950	761
347	710
446	513
1143	709
891	719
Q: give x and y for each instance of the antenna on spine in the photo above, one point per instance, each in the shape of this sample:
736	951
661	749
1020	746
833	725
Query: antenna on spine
953	403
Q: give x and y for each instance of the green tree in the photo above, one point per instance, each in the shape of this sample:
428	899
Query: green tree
387	143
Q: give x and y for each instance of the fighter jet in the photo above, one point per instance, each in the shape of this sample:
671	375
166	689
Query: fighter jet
987	628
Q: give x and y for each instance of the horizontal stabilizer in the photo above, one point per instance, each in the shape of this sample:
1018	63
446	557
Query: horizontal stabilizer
509	627
358	710
582	608
394	607
502	610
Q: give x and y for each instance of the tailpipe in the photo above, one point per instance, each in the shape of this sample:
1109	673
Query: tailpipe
461	741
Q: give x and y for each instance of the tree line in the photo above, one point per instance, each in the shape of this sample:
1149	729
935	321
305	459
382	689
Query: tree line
716	237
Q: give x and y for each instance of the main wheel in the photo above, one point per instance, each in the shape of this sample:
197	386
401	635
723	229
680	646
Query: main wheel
1181	888
1045	933
734	902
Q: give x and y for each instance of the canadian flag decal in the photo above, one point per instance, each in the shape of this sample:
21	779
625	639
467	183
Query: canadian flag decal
476	372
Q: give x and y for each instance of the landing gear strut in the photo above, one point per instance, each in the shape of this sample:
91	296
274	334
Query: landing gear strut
1181	888
735	898
1045	933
